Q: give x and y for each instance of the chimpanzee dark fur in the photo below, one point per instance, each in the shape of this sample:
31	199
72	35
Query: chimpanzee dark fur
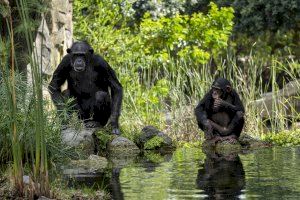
220	114
89	79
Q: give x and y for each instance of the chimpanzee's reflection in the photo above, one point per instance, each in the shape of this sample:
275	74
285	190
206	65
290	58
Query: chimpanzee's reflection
221	176
115	185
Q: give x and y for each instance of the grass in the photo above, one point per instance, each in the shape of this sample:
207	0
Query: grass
187	85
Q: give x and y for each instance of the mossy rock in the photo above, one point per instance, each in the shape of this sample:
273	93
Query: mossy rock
153	139
154	143
103	138
154	157
226	147
122	146
222	147
249	142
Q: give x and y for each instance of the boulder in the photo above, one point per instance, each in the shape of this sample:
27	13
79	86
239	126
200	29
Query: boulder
122	146
286	99
153	139
82	140
222	147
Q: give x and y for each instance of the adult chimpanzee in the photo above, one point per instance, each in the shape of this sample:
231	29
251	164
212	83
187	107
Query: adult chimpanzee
89	78
220	114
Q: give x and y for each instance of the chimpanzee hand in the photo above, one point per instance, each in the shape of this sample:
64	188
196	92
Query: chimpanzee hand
219	103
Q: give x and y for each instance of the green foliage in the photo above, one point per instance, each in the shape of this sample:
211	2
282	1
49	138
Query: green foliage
254	17
284	138
195	37
154	143
154	157
103	24
162	62
104	137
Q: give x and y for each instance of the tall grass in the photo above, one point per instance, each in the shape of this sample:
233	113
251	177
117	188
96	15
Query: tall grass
188	83
31	103
40	167
7	59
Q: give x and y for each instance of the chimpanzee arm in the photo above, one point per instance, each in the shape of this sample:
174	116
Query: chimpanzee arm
236	106
59	77
201	109
117	96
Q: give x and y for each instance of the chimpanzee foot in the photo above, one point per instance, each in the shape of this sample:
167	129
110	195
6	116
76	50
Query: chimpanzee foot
116	131
216	139
232	139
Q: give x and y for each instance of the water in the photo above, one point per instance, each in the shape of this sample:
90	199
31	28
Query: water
188	173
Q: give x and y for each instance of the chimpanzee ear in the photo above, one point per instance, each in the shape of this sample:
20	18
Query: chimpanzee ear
69	50
228	88
91	50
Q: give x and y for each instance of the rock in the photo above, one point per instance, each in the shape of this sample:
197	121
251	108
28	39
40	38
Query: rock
151	138
222	147
226	147
287	99
122	152
122	146
249	142
77	168
81	139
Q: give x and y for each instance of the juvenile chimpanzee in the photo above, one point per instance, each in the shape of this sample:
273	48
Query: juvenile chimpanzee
89	78
220	114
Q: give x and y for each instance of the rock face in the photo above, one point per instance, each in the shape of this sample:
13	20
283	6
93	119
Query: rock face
82	139
286	99
54	35
151	138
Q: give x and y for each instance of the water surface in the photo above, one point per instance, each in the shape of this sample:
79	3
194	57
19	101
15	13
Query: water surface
188	173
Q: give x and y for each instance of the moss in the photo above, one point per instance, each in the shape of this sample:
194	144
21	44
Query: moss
154	143
154	157
104	137
283	138
225	148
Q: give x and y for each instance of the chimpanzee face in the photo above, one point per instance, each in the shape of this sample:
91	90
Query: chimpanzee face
217	92
221	87
78	62
81	54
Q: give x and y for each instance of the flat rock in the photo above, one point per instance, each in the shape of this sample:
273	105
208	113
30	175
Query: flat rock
86	167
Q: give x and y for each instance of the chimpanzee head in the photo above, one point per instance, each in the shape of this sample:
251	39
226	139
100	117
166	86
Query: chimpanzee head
221	88
81	53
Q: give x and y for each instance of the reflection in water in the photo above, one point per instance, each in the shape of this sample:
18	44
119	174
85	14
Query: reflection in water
221	176
115	185
107	180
